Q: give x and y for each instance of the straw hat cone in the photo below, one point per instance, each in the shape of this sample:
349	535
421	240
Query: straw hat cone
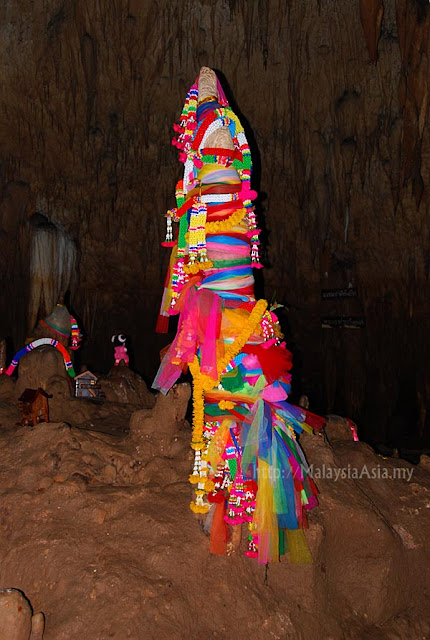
56	325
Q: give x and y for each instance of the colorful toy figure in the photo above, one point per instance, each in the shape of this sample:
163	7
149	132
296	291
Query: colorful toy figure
120	349
249	468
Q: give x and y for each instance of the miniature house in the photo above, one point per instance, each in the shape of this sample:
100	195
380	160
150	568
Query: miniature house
34	406
86	385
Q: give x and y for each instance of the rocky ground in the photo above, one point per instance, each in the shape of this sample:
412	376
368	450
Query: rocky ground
95	530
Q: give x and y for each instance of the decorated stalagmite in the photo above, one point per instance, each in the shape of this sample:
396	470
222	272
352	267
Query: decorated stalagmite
52	266
60	330
249	467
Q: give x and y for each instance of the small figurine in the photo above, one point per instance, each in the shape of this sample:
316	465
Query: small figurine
120	349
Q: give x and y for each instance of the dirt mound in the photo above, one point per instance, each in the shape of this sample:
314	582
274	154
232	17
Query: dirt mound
97	533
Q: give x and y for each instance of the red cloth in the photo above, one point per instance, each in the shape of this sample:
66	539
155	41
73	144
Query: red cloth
274	361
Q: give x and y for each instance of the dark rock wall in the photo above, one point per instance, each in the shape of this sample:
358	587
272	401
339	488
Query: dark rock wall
335	98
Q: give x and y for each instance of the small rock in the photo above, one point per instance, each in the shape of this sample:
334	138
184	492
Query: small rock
425	462
15	615
98	515
37	626
339	428
108	474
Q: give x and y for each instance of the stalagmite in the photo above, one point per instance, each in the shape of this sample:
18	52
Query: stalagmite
52	262
248	468
37	626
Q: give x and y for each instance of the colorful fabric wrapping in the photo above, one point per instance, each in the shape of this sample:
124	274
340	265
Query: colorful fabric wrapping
248	463
233	245
39	343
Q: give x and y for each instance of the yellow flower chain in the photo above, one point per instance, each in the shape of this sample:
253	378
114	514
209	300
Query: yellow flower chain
228	223
199	508
198	407
195	267
196	230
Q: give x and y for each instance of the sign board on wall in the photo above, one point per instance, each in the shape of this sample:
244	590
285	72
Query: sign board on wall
342	322
336	294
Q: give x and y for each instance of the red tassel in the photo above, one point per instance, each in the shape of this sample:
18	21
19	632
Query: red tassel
162	325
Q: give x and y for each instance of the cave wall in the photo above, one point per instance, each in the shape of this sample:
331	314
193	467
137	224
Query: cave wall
334	97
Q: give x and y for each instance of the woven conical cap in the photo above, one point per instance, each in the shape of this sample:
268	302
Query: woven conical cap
59	319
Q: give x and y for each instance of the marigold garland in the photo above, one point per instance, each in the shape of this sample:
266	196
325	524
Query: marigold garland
198	408
209	485
194	478
197	508
228	223
195	267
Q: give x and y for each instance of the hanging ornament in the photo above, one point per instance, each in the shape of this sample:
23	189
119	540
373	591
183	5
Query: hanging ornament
169	242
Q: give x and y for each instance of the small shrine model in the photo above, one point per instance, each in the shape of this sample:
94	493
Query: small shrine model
86	385
34	407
